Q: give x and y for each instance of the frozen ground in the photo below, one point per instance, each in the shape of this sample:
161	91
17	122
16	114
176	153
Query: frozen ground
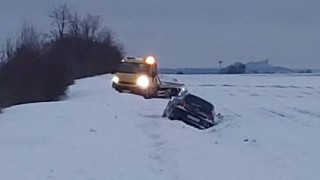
270	130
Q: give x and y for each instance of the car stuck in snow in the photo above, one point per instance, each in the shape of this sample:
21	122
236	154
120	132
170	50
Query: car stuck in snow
190	109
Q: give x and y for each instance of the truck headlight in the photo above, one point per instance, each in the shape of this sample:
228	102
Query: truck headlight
115	79
143	81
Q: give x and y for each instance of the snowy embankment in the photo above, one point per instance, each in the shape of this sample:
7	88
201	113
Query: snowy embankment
270	130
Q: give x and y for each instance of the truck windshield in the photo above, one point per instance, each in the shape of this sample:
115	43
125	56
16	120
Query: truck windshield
133	68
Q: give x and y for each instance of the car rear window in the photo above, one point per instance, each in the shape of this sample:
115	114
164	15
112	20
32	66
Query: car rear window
197	101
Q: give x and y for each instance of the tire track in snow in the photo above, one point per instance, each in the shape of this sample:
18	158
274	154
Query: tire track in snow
285	116
161	163
308	113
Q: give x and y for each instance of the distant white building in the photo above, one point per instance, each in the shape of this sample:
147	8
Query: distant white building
265	67
258	64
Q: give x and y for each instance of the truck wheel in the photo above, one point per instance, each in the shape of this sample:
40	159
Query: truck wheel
118	89
147	95
167	93
150	93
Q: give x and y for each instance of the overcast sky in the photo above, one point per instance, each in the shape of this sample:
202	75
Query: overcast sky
193	33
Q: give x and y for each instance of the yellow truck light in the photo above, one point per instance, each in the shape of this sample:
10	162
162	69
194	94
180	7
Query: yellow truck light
150	60
143	81
115	79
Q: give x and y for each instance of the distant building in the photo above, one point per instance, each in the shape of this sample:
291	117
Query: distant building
259	67
259	64
265	67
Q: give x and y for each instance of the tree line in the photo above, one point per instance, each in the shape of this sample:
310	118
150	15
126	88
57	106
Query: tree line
37	67
236	68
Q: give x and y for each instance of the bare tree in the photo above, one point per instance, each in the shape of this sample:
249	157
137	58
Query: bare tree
2	56
29	37
60	18
105	35
7	50
73	28
108	37
90	25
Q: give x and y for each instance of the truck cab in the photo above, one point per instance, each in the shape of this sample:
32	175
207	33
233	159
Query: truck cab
137	75
140	76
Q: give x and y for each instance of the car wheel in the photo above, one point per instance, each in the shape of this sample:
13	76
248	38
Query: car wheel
171	115
163	114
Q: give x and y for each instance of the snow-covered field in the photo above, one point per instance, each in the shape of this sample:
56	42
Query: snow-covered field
270	130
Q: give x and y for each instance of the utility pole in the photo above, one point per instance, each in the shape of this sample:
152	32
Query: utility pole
220	62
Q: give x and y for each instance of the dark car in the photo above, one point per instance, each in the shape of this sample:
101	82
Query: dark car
190	109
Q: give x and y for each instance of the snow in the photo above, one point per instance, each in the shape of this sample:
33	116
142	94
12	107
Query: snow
270	130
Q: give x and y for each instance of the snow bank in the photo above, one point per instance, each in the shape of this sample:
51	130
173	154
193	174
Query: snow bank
270	130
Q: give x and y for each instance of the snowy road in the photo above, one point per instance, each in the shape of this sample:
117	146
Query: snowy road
270	130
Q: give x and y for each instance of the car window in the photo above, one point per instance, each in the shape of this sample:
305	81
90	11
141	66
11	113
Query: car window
197	101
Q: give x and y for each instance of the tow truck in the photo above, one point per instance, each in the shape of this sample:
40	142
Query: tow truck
140	76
